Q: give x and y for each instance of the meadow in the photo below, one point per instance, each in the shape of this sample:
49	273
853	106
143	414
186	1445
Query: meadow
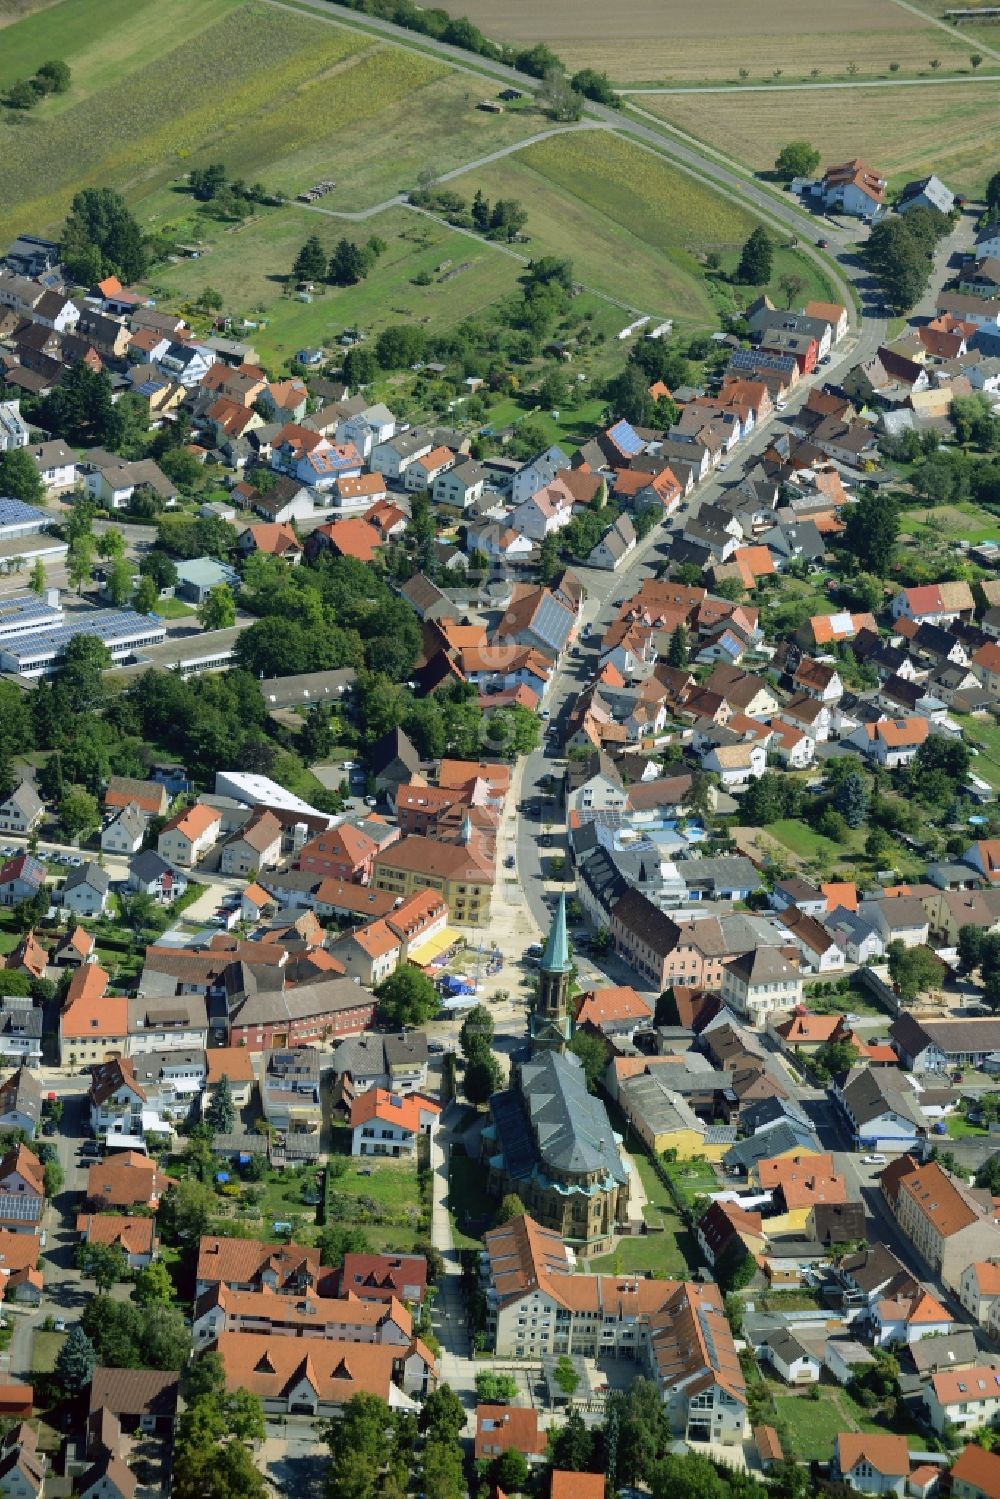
905	132
668	39
249	267
632	224
275	95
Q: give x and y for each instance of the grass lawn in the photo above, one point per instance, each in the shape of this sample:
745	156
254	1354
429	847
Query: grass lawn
693	1178
959	1128
807	843
8	942
469	1203
813	1424
174	609
910	132
982	734
45	1348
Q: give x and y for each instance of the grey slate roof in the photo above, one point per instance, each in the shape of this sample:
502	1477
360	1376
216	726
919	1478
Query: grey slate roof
89	874
550	1121
773	1142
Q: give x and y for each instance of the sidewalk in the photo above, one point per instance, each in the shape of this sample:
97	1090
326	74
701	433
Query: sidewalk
448	1317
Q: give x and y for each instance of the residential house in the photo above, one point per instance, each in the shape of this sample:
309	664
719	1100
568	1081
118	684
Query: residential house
759	982
319	1383
926	192
509	1428
947	1226
22	810
151	874
254	846
125	1180
853	188
890	742
124	833
85	891
93	1025
871	1464
289	1090
881	1110
21	878
389	1124
461	486
188	836
975	1474
151	797
394	1063
21	1102
966	1399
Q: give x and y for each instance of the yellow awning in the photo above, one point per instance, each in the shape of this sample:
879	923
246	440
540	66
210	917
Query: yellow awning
433	947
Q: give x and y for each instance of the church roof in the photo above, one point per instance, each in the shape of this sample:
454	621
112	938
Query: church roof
555	958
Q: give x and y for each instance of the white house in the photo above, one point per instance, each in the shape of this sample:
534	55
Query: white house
871	1464
367	428
21	810
536	474
759	982
618	542
461	486
125	832
389	1124
55	462
965	1398
14	432
544	513
891	742
85	892
422	471
393	458
790	1359
736	764
881	1110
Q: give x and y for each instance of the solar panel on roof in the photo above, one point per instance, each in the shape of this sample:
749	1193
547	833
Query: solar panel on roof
626	438
15	512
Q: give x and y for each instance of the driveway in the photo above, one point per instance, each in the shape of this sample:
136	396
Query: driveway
295	1458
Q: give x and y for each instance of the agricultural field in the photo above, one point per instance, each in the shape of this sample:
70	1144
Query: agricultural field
661	40
277	96
631	223
906	132
947	524
985	36
249	266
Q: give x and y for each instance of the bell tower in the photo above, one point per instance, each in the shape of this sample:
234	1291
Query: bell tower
550	1025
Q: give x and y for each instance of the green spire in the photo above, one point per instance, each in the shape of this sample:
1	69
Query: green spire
555	958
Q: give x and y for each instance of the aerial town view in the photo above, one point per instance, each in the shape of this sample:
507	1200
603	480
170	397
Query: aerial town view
499	749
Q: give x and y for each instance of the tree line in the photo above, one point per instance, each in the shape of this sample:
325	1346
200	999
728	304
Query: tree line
50	78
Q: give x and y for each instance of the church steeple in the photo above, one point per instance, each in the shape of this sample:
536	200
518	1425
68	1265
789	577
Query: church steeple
551	1026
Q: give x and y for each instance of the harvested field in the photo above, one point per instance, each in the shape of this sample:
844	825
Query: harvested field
906	132
274	95
652	40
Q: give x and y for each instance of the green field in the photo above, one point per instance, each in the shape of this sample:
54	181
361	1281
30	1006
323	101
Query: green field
45	1348
806	843
468	1199
249	268
630	222
965	521
277	96
983	734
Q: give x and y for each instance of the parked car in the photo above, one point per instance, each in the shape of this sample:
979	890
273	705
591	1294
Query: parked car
874	1160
